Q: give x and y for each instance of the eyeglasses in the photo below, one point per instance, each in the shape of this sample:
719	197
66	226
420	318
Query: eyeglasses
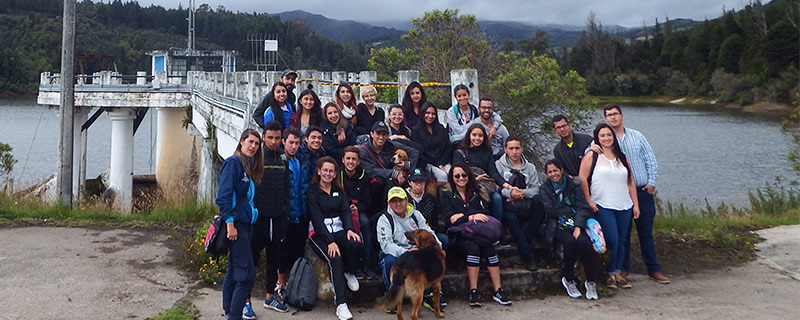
460	175
614	114
562	126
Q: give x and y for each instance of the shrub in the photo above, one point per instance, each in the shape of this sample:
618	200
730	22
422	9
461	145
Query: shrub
210	269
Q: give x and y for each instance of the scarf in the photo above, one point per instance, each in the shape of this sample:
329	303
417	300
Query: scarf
348	112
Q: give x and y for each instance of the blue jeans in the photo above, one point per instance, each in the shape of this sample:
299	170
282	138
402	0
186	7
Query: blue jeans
240	276
444	239
368	235
387	260
496	206
614	223
644	228
520	233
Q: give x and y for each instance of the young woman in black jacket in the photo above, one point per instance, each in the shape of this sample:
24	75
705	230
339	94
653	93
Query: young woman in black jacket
563	201
337	133
432	136
333	237
463	201
476	152
368	113
413	100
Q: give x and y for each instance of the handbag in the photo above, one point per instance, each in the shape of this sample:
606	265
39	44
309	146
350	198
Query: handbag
482	233
217	237
522	207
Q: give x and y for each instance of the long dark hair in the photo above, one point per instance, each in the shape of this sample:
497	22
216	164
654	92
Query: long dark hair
472	185
408	105
339	102
254	169
422	124
315	118
465	143
277	112
322	160
615	148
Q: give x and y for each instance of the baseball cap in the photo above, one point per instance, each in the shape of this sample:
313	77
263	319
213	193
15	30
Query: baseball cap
380	126
396	192
288	72
416	175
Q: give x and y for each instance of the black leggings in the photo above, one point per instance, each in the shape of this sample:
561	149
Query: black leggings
475	253
574	247
270	233
348	261
294	243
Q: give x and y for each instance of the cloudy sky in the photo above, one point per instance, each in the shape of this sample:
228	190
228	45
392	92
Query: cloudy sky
629	13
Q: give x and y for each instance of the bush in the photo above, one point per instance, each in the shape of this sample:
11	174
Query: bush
677	84
210	269
745	98
727	86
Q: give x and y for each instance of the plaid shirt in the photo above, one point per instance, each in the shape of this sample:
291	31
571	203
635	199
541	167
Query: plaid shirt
643	161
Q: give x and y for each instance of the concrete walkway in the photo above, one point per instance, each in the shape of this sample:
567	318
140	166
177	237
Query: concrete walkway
77	273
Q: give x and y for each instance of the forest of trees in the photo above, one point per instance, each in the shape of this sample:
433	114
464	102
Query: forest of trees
125	30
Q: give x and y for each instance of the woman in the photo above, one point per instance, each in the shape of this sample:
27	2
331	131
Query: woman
368	113
475	150
397	127
413	99
432	136
333	237
237	179
279	109
611	194
563	201
310	113
346	100
463	201
334	139
462	113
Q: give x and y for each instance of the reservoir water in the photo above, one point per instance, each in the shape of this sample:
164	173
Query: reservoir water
703	154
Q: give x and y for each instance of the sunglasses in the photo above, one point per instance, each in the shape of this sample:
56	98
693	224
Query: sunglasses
460	175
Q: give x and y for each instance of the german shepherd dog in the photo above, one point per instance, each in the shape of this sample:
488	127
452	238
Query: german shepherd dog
415	271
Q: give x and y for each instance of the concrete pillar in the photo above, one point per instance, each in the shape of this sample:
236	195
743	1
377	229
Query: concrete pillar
174	163
404	77
366	78
315	84
272	77
338	77
81	80
105	78
159	79
141	78
44	78
302	85
208	179
352	77
121	173
79	150
95	78
115	78
468	77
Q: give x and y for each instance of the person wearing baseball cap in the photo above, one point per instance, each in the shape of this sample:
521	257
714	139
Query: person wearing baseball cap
288	78
376	158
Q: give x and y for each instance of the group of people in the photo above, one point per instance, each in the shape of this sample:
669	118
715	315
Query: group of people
329	177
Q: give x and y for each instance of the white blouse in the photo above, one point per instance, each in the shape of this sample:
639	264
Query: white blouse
609	187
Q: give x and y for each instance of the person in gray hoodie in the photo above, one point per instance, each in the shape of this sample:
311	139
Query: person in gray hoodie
523	212
392	233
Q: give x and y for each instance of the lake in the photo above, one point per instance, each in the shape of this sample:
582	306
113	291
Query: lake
703	153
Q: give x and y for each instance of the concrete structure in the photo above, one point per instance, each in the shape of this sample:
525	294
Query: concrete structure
221	105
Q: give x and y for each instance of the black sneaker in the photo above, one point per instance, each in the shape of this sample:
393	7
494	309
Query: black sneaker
427	302
360	275
501	297
442	301
531	265
474	299
372	275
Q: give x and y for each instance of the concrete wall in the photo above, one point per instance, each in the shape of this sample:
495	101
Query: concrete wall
175	162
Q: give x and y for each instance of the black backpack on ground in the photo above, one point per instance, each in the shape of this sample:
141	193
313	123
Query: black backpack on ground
301	288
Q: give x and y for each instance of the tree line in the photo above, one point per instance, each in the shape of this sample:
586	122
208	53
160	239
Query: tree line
125	30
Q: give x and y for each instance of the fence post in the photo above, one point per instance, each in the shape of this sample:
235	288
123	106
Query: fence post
404	77
366	78
468	77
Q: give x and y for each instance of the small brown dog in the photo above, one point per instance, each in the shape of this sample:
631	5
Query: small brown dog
415	271
399	156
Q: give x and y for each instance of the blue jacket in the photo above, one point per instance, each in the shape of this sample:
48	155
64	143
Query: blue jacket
235	184
300	180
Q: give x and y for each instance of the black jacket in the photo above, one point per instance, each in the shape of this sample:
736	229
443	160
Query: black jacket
272	194
327	210
570	158
364	120
268	101
436	148
481	158
330	140
579	208
379	164
451	203
428	206
357	189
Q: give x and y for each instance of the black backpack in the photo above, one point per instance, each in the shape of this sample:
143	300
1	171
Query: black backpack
522	207
301	288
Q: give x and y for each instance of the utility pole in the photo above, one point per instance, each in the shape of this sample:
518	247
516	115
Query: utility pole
67	103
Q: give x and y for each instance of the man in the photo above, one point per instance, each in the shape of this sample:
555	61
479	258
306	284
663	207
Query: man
376	159
645	173
355	183
486	119
312	149
570	150
392	234
518	171
272	201
288	78
426	204
299	182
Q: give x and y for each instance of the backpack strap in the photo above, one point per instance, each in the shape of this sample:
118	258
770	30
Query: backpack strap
373	156
391	220
591	171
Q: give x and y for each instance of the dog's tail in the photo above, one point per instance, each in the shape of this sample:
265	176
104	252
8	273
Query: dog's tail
392	295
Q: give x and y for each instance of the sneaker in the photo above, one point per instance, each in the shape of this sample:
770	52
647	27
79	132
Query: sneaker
622	282
624	274
572	288
474	299
247	311
372	275
611	283
501	297
274	304
390	311
531	265
442	302
343	312
280	291
360	275
427	302
591	290
660	278
352	281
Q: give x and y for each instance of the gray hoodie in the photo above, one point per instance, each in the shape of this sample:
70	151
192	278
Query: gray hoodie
532	183
395	243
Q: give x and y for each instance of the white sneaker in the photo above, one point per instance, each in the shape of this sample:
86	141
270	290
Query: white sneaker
352	281
572	288
343	312
591	290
